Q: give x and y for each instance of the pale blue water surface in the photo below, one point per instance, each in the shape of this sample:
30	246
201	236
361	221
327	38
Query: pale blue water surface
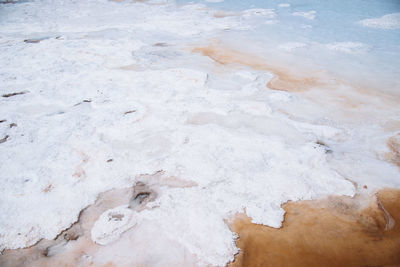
335	21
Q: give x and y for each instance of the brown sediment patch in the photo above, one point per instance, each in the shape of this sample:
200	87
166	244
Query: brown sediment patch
32	41
337	231
142	194
394	146
160	44
48	188
284	79
392	126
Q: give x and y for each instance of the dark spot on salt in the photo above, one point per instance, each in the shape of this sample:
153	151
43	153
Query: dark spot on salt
84	101
116	217
14	94
13	125
72	234
32	41
110	160
321	143
161	44
130	111
48	188
327	149
142	196
1	121
4	139
8	2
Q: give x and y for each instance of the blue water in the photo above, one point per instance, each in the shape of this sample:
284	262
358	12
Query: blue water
336	21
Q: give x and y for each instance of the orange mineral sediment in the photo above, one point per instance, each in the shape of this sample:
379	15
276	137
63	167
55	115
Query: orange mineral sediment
284	80
337	231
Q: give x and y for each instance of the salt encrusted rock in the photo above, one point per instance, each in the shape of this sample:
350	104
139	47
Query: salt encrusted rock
111	224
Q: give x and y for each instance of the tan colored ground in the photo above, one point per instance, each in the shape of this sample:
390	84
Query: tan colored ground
338	231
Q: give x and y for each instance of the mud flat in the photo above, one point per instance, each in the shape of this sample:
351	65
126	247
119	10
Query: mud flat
336	231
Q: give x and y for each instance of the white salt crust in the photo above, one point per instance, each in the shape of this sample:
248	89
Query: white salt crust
112	91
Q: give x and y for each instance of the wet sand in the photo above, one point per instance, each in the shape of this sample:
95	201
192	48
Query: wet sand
337	231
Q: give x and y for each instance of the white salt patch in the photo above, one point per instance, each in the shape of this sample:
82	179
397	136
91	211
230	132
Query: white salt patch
389	21
259	12
248	75
348	47
280	97
111	224
271	22
147	244
308	15
284	5
214	1
291	46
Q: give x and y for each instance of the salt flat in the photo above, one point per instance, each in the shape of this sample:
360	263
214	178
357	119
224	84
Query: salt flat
102	96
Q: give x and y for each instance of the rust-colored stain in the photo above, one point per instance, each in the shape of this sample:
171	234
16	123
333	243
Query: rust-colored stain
337	231
393	144
284	79
79	170
48	188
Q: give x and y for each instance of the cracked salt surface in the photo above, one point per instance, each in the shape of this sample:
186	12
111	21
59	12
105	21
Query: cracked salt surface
107	104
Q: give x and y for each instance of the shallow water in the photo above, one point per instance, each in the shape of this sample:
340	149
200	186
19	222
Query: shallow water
338	231
219	108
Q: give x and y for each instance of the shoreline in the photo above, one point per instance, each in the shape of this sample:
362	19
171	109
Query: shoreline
363	230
